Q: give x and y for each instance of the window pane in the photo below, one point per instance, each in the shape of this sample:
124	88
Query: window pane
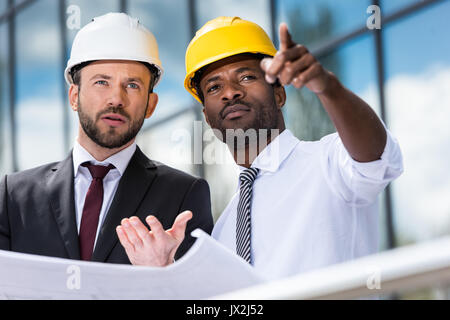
253	10
3	6
90	9
313	22
171	142
168	21
418	100
389	6
38	87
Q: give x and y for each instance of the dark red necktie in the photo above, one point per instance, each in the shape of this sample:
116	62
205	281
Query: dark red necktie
91	209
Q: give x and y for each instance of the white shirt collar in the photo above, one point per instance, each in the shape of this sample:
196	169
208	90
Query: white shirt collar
119	160
273	155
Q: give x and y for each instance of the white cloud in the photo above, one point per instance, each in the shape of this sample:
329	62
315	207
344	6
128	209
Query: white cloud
38	37
40	46
418	112
40	137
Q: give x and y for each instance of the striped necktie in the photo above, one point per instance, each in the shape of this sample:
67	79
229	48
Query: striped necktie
243	219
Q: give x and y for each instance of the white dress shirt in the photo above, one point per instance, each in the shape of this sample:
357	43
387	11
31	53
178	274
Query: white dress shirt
312	205
83	179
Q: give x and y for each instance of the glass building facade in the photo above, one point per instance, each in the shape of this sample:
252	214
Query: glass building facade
402	70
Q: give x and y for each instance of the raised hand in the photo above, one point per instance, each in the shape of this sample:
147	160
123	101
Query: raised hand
154	248
294	64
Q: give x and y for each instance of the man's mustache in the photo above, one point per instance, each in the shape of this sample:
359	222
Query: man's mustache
117	110
232	103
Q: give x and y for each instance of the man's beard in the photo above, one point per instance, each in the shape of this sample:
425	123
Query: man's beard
266	118
110	139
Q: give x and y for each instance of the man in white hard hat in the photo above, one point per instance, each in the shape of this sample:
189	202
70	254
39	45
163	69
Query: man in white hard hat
70	209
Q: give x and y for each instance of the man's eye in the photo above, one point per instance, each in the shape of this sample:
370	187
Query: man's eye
248	77
101	82
133	86
213	88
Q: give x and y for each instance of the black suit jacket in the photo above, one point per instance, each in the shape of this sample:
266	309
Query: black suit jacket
37	208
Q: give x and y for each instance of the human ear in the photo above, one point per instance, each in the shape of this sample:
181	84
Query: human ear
73	96
280	96
152	102
206	116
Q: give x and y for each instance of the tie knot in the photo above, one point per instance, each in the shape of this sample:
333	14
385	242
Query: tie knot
98	172
249	175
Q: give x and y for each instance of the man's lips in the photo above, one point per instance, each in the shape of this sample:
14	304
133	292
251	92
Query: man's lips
114	119
235	111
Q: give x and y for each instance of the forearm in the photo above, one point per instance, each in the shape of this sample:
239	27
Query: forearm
359	128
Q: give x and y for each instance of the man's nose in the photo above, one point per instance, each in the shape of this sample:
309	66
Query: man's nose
118	97
232	91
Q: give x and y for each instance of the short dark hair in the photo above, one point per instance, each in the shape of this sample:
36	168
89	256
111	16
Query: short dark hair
195	81
75	73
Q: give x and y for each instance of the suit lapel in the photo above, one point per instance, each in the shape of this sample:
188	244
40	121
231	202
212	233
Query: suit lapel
131	190
61	194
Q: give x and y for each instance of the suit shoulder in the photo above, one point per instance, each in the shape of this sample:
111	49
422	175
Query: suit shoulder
167	172
30	175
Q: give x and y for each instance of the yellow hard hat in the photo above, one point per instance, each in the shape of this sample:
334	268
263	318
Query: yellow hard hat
221	38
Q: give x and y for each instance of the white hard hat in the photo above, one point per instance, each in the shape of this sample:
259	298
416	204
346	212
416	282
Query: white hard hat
114	36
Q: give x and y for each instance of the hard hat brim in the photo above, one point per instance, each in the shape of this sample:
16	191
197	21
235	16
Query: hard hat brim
188	79
221	38
71	64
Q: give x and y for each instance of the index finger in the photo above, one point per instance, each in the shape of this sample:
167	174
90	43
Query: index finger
285	37
140	228
155	226
127	244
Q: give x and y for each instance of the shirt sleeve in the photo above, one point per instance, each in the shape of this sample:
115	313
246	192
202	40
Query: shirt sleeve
359	183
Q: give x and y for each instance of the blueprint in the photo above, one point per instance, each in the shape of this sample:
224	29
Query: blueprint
206	270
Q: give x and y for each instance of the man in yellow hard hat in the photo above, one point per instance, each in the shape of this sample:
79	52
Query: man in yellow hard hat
300	205
70	209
